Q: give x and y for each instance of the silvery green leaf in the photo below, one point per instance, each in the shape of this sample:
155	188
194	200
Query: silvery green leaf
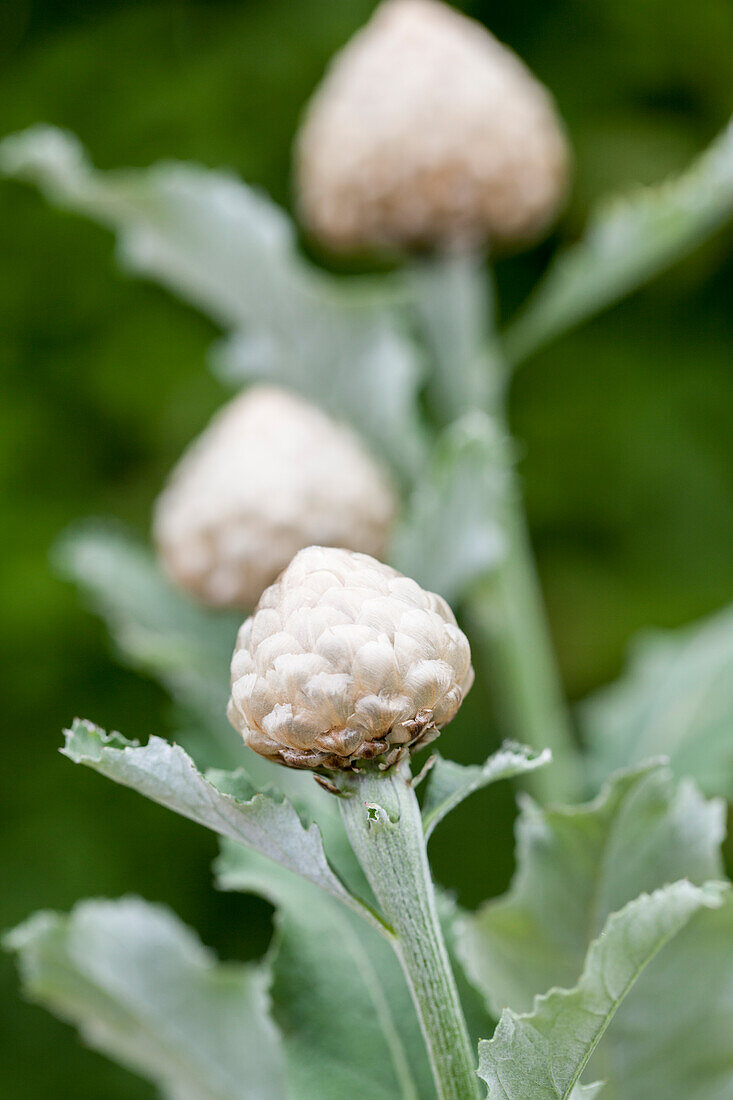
348	1024
676	698
449	783
543	1053
672	1038
156	628
628	242
575	867
142	988
225	802
188	650
228	249
453	532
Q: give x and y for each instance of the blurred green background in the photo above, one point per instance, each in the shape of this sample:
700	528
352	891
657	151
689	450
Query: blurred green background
625	427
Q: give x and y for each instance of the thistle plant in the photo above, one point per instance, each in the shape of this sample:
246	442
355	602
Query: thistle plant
358	497
347	667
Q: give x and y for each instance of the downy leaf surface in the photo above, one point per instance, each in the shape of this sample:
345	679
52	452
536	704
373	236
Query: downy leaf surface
144	990
229	250
628	241
225	802
675	699
576	868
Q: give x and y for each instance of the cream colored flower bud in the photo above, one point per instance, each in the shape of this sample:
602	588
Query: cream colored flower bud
346	660
270	475
427	131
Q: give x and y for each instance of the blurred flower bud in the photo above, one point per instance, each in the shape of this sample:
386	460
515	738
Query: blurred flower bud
427	131
270	475
346	660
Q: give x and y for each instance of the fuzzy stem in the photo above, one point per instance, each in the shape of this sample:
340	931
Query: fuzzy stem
384	825
507	611
458	310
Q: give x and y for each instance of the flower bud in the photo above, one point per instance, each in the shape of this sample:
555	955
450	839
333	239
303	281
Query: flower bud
270	475
427	131
345	660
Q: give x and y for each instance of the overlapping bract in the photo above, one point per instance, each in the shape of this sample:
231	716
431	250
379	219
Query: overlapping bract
345	660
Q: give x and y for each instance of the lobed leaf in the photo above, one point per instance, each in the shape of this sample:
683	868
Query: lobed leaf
338	995
225	802
628	241
229	250
542	1054
672	1037
142	988
676	698
576	867
188	650
449	783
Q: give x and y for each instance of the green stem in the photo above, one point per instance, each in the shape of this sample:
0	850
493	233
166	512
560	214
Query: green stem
508	617
384	825
456	303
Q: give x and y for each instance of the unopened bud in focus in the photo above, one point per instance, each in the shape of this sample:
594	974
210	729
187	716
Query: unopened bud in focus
345	660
